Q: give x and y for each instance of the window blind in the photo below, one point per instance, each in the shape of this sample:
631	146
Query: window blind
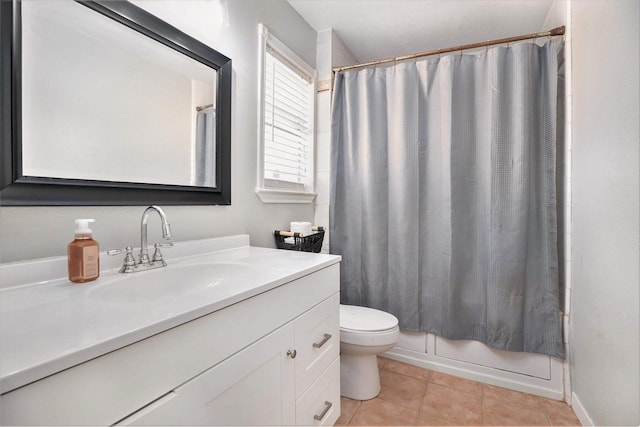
288	124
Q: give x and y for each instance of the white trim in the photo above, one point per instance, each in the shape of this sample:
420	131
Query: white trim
279	196
580	411
483	374
264	33
495	372
568	204
294	60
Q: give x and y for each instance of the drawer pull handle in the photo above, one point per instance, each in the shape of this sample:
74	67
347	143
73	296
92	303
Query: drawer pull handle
292	353
327	406
324	340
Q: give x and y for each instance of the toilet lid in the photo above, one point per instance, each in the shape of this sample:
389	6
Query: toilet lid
354	318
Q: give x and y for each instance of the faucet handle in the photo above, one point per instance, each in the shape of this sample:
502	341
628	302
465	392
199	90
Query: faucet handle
163	245
157	255
128	250
129	262
119	251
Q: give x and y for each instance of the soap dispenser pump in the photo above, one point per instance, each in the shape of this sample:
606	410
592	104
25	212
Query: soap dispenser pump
83	254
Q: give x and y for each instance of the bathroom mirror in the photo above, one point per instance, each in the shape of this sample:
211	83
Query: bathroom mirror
109	105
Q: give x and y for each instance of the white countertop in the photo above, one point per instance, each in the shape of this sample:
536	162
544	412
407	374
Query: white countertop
51	325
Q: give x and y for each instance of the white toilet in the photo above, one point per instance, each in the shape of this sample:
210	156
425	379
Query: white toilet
364	333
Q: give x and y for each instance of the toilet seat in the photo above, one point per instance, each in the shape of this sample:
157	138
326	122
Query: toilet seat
367	326
365	319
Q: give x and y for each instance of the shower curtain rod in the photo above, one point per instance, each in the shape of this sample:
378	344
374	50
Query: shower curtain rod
558	31
203	107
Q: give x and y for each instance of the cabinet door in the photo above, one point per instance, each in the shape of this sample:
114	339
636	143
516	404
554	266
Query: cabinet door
252	387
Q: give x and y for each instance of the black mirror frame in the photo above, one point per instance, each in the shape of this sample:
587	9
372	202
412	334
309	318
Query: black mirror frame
18	190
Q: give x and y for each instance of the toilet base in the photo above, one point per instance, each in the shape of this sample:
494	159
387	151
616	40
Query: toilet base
359	376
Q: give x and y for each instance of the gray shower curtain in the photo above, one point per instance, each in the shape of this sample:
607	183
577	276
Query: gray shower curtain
443	199
206	148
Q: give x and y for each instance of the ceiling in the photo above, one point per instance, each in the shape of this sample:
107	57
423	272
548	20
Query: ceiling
379	29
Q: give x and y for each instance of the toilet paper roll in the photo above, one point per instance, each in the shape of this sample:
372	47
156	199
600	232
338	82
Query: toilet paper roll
300	227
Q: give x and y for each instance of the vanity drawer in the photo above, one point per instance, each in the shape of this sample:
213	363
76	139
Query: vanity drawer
317	341
320	405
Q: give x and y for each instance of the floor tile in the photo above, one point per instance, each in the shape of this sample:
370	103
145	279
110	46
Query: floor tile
382	361
400	389
448	406
525	400
458	383
500	413
378	412
348	407
560	414
406	369
564	421
412	395
430	419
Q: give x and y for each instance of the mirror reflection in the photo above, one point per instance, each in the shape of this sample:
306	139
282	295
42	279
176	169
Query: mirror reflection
107	103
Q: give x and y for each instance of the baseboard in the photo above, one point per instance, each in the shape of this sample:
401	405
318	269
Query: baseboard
580	411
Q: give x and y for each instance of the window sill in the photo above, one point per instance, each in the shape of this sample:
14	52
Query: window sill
280	196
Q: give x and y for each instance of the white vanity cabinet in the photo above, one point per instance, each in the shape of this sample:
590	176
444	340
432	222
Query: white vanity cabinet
272	359
282	379
253	387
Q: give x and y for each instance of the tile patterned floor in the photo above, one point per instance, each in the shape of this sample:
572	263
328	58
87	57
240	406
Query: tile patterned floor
413	396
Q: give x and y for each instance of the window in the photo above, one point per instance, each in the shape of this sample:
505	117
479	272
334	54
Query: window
286	132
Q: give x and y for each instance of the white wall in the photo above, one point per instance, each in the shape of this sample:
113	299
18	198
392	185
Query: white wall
557	15
230	27
604	339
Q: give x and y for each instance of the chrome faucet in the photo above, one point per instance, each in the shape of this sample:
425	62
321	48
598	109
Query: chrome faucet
129	265
166	233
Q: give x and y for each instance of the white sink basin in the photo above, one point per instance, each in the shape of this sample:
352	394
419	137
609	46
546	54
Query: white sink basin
171	282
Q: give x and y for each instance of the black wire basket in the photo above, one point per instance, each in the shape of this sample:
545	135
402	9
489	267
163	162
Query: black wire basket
296	242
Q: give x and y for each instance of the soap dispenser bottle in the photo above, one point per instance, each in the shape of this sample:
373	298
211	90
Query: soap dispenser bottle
83	254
